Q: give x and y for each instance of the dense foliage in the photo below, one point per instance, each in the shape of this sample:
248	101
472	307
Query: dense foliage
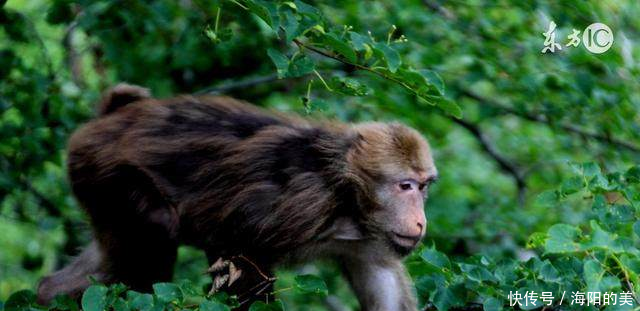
538	153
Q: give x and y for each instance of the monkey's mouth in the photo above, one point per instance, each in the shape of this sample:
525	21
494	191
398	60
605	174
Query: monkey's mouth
405	241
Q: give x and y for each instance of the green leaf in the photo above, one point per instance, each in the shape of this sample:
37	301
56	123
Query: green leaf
591	169
633	174
446	297
492	304
308	10
190	290
562	239
390	55
280	60
64	302
449	107
601	239
476	273
434	79
121	305
536	239
142	302
597	278
209	305
548	198
95	298
339	46
348	86
266	10
444	104
360	42
290	25
275	305
547	271
300	66
572	185
168	292
636	228
435	258
308	283
20	301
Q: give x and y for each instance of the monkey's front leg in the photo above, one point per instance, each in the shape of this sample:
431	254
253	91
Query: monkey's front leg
380	286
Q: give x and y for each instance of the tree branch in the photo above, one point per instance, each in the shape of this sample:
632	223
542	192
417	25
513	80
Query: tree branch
72	56
540	118
435	6
505	165
235	85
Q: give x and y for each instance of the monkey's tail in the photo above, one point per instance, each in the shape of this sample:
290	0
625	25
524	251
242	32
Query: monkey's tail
121	95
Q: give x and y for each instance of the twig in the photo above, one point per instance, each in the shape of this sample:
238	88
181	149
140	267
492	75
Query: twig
434	5
255	266
230	86
539	118
249	82
260	287
504	164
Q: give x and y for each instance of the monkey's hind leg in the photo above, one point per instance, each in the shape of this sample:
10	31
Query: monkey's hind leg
134	231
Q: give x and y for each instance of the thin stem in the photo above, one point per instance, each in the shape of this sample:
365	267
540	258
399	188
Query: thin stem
239	4
256	267
282	290
215	27
626	276
390	34
322	80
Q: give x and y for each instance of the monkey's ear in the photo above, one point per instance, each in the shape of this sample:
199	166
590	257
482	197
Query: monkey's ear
121	95
345	228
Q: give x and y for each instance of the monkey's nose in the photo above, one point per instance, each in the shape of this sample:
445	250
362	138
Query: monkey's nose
421	227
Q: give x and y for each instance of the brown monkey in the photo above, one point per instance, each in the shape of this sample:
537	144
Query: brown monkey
233	179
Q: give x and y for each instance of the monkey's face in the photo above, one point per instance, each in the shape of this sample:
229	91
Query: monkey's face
395	164
400	210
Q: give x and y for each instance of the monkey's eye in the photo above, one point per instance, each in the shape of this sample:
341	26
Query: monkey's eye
405	185
422	186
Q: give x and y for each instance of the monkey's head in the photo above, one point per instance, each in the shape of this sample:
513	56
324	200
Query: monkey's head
392	167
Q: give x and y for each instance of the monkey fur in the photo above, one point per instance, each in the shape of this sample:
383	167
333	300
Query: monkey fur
234	179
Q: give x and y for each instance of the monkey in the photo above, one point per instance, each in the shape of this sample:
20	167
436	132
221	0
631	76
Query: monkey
234	179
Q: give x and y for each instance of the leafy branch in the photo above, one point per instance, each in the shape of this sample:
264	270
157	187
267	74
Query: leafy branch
304	25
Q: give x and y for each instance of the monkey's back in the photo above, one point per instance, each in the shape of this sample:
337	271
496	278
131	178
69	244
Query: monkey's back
250	176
